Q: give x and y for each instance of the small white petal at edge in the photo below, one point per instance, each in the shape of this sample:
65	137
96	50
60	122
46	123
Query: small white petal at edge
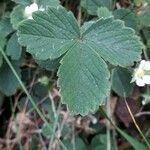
140	82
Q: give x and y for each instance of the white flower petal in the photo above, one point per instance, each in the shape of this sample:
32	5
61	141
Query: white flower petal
141	73
34	7
146	79
142	64
147	65
30	9
143	102
140	82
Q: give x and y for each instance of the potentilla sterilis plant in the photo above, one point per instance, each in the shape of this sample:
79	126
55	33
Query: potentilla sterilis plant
142	73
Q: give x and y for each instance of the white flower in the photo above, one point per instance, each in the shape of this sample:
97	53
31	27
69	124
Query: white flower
30	9
142	73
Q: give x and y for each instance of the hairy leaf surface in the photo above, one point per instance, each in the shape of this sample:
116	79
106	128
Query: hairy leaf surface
51	33
113	41
83	74
83	79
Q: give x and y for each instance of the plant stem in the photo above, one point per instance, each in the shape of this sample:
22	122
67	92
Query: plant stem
27	93
142	113
55	122
145	54
136	125
108	124
23	87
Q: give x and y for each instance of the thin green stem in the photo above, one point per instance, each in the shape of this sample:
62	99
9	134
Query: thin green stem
27	93
108	124
23	87
145	54
55	122
136	125
118	129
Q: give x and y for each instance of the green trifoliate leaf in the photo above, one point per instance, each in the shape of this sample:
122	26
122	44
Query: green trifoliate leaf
83	74
121	79
13	48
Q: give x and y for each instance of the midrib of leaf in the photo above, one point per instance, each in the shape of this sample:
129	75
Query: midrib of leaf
92	75
115	63
93	94
96	54
69	47
79	68
85	73
95	39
